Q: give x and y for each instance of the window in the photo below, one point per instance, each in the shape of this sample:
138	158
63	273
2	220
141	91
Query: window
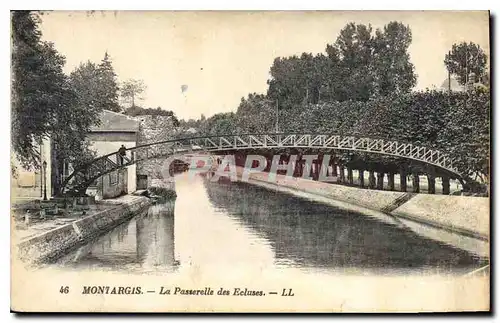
142	182
113	178
95	183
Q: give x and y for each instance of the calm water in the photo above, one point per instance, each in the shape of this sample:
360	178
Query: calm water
230	225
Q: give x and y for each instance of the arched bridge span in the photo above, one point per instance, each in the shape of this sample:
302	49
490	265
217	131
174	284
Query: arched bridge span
83	176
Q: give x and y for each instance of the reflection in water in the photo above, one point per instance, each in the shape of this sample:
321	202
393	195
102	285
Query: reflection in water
310	234
144	243
155	237
230	225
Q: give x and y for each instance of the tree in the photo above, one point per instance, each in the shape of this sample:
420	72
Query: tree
41	94
256	114
467	61
466	134
131	90
44	102
108	86
394	72
29	118
287	84
367	65
220	123
86	82
358	66
354	46
296	80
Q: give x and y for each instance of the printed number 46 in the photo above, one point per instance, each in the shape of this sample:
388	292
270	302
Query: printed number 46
64	290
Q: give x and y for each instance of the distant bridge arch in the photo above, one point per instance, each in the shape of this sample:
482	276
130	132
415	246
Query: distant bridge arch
83	176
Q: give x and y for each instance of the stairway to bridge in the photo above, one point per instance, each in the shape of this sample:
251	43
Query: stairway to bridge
398	202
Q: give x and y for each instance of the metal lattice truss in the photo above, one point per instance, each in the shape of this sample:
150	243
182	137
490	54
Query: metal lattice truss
84	176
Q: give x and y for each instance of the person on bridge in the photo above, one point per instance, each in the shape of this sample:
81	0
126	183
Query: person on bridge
122	152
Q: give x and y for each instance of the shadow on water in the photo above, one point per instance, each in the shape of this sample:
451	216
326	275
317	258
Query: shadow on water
311	234
146	243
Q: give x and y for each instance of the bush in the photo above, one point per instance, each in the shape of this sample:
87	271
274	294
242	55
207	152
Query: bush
163	192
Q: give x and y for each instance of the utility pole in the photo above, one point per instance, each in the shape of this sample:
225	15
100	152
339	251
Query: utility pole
466	68
449	74
449	82
44	180
277	116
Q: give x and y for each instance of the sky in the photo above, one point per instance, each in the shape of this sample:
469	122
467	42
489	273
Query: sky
224	56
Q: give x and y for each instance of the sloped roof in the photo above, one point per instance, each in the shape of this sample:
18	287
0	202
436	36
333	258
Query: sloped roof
454	85
116	122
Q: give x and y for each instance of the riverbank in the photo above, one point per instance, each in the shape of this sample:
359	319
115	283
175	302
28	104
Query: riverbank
54	242
460	221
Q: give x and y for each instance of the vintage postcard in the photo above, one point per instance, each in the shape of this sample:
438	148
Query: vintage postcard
246	161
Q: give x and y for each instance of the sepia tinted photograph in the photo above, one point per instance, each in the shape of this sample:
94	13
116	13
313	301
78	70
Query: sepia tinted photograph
250	161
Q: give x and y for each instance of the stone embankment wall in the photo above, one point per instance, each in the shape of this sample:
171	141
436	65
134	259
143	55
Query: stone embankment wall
467	214
55	243
461	221
153	129
371	199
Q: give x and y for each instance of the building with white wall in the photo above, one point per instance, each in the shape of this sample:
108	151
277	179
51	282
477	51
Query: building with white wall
114	130
30	184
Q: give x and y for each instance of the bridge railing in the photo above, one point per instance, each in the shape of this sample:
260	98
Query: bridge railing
107	163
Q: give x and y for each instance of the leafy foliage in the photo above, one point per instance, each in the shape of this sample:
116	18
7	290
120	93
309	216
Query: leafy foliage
220	123
457	124
108	85
163	192
467	61
95	85
394	72
359	65
138	111
85	82
44	101
256	114
131	90
362	86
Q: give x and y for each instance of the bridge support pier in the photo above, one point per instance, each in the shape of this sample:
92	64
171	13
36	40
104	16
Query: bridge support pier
334	168
268	165
431	184
380	181
319	162
361	178
296	170
371	180
390	180
315	170
402	179
446	185
301	168
350	178
416	183
341	175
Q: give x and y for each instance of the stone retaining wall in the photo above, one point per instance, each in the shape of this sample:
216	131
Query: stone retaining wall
371	199
55	243
464	216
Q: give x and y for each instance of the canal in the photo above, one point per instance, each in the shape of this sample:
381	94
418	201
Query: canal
230	225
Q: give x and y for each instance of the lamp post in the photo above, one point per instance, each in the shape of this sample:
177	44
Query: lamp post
44	180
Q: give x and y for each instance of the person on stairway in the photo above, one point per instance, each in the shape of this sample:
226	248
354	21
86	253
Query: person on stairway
121	153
